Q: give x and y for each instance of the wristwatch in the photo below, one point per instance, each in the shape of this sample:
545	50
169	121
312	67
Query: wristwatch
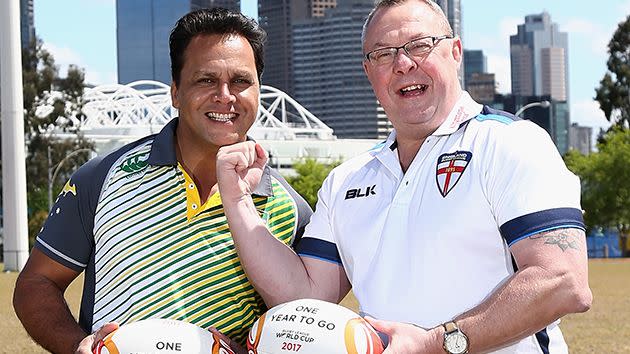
455	341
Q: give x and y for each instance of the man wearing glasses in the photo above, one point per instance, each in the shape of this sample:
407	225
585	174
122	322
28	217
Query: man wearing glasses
462	232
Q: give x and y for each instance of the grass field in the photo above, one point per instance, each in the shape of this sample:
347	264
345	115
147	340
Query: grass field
604	329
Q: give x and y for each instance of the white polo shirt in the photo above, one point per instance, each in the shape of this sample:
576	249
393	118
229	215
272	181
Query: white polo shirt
426	245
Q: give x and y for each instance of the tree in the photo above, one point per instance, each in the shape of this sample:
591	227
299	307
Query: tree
605	180
310	176
50	103
613	94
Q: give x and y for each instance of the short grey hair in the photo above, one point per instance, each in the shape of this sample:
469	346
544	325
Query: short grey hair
383	4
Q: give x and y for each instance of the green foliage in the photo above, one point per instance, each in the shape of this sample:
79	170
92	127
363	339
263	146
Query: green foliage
62	99
605	180
613	93
309	178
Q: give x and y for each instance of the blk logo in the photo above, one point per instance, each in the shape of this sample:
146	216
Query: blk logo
357	193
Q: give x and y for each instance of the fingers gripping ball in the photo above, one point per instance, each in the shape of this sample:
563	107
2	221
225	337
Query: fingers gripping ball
310	326
161	336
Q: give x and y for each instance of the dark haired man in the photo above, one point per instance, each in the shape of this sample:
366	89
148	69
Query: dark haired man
146	222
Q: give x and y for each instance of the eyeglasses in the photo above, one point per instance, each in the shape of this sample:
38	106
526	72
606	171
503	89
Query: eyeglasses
414	48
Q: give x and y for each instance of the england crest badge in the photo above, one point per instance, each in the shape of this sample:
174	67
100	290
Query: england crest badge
450	168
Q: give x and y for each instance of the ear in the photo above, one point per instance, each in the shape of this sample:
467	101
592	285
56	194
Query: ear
366	68
174	99
457	51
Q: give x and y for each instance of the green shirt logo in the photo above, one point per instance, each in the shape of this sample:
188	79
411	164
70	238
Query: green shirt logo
134	164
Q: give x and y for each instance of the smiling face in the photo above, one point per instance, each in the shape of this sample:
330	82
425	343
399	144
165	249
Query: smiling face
217	94
417	93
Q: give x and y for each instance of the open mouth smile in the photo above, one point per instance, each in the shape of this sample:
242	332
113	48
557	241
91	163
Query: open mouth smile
419	88
221	117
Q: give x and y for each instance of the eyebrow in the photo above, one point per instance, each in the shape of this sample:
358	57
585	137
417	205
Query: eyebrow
385	45
213	74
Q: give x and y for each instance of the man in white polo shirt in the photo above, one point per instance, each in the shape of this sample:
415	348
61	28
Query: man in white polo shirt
461	233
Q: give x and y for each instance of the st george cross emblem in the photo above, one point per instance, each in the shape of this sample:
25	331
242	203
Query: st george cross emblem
450	168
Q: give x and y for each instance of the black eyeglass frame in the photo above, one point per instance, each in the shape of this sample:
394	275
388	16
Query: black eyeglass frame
434	41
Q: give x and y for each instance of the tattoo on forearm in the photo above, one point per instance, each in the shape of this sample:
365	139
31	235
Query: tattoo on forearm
563	238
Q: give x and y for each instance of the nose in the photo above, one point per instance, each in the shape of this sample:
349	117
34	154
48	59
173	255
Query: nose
403	62
223	94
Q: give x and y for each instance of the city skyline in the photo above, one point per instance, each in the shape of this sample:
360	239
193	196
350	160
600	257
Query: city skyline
487	25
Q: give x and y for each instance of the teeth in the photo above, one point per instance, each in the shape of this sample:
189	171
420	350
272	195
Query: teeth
221	117
413	87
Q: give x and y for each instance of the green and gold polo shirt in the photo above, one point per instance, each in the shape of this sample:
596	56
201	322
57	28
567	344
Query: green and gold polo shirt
134	222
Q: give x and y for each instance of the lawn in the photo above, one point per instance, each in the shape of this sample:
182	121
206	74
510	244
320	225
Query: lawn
604	329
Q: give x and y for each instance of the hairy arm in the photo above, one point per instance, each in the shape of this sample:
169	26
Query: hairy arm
39	304
275	270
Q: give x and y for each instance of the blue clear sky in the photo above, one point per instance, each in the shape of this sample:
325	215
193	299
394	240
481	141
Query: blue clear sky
83	32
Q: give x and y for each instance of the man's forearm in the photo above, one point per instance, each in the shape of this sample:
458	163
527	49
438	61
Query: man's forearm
528	302
42	309
276	272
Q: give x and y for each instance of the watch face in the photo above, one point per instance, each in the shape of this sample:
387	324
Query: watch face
456	343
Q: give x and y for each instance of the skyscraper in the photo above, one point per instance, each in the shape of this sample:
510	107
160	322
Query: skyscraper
474	62
453	11
277	18
539	55
234	5
329	77
142	31
27	22
580	138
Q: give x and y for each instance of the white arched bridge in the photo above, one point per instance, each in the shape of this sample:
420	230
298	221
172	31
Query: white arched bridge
116	114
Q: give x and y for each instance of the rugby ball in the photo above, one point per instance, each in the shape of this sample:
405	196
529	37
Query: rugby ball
161	336
309	326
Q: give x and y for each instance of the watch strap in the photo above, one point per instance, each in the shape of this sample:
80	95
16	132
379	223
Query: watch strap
450	327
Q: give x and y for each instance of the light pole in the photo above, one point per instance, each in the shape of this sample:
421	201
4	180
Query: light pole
543	104
15	229
52	175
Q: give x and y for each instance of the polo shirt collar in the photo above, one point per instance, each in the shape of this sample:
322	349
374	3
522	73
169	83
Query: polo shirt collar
163	147
465	109
163	154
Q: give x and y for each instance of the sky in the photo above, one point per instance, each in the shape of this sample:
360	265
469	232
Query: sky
83	32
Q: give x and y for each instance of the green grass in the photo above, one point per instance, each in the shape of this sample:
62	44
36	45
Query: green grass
603	329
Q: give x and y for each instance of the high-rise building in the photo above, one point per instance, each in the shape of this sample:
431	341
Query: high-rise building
580	138
474	62
318	7
277	18
554	119
234	5
142	31
481	87
329	77
539	55
27	22
453	11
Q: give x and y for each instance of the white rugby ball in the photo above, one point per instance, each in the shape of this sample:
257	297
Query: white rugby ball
161	336
309	326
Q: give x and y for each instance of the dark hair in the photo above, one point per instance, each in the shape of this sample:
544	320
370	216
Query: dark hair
216	20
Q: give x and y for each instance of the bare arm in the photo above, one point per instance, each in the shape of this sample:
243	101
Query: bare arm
275	270
39	304
552	281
